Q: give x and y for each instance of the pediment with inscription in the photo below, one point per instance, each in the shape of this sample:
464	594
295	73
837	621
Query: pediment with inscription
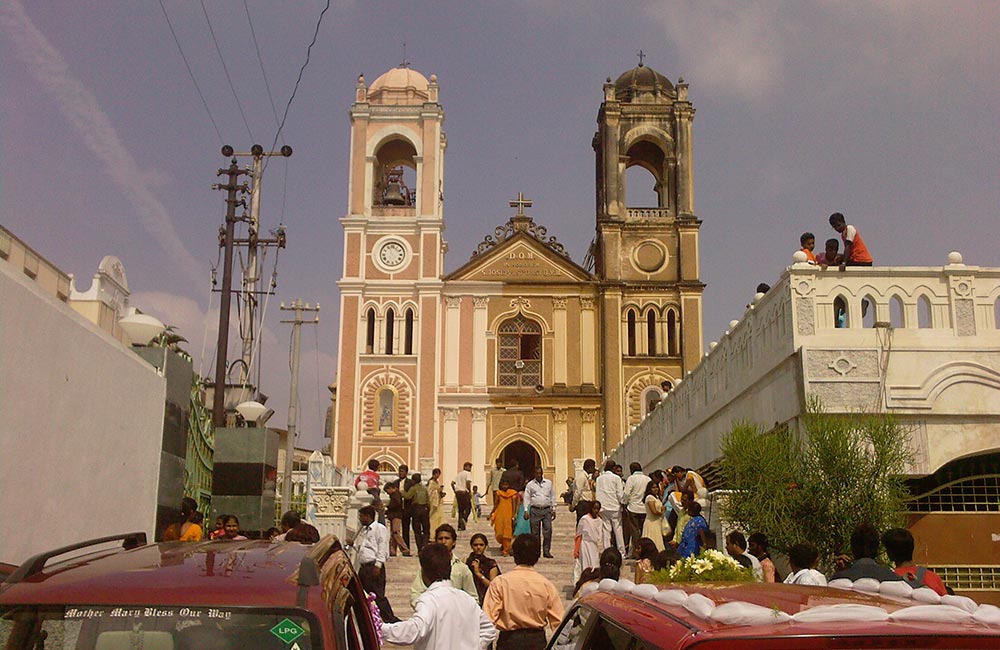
520	259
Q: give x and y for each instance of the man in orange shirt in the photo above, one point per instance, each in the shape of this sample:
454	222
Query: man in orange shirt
855	251
508	601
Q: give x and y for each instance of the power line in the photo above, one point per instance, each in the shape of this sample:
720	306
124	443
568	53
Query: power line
191	74
253	35
226	70
295	89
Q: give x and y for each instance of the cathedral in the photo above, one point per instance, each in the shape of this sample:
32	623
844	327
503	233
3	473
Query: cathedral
519	352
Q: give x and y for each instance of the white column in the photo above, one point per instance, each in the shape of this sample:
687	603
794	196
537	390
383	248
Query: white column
559	455
479	449
449	461
588	359
561	341
452	326
479	341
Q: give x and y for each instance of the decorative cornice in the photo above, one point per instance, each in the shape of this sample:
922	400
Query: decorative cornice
518	224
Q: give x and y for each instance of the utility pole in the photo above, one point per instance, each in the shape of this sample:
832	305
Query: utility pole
226	237
298	307
227	241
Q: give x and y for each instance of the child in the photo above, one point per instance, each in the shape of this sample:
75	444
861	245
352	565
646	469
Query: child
808	242
899	544
855	251
802	558
831	256
232	528
476	503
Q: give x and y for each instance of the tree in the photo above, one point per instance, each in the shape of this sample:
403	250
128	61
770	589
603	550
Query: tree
815	486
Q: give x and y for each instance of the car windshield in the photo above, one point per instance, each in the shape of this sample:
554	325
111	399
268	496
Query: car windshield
132	627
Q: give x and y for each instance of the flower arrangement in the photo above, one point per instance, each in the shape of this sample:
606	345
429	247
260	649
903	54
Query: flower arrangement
708	566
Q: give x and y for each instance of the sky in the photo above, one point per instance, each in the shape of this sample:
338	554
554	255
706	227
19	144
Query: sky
888	112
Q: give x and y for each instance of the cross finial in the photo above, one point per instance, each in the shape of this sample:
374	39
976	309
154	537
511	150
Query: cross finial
404	63
641	56
521	203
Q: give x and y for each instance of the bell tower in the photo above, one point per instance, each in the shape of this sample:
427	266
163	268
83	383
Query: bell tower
392	268
646	256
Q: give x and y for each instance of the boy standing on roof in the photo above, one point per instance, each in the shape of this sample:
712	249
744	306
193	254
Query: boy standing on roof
855	251
808	242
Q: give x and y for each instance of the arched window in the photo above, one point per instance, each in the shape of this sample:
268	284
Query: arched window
672	344
519	359
408	340
370	332
924	312
390	327
896	318
651	333
869	312
386	466
385	402
840	312
650	400
630	333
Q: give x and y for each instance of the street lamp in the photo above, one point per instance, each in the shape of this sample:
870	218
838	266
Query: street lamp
141	328
252	411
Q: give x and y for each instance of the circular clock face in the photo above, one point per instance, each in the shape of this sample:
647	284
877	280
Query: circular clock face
392	254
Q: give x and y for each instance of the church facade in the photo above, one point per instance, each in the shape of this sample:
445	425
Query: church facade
519	353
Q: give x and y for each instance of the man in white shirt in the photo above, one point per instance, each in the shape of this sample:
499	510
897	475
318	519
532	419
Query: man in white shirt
583	489
461	575
540	509
802	558
371	550
444	617
635	504
736	545
462	487
611	493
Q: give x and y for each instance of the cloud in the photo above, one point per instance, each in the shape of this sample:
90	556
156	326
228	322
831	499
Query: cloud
80	107
752	51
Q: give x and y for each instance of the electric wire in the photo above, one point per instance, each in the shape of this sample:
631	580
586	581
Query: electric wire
226	70
270	98
190	73
298	79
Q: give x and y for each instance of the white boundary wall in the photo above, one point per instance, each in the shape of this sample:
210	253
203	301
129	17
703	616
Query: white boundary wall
81	425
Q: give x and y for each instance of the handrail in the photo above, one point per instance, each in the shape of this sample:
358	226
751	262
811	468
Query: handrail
36	563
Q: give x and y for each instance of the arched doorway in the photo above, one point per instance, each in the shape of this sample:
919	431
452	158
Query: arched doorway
526	456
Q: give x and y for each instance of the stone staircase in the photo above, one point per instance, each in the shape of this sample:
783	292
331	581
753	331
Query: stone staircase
559	569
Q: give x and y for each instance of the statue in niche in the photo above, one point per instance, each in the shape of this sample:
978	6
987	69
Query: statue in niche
386	407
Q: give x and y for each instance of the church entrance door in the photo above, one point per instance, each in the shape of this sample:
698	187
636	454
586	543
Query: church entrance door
526	456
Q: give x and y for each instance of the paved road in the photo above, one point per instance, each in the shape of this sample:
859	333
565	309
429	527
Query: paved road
400	570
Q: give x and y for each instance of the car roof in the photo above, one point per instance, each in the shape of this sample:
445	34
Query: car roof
637	612
252	573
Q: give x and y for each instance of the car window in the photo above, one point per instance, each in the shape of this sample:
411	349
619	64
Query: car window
570	633
83	627
605	635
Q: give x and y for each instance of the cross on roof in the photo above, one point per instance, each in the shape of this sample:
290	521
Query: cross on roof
641	56
521	203
405	63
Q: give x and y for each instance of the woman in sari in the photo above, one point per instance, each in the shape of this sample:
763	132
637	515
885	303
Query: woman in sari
434	494
502	517
653	526
483	568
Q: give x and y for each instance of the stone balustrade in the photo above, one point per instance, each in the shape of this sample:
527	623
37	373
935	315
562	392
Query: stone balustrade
866	338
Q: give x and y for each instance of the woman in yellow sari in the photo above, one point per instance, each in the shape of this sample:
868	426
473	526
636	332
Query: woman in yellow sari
503	516
434	494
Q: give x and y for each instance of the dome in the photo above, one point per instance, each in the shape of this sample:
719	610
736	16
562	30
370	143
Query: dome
400	79
639	81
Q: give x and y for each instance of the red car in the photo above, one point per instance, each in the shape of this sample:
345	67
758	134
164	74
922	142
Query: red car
186	595
760	616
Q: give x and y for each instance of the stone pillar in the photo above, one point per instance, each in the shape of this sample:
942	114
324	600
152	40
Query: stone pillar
449	461
588	360
479	317
330	505
560	343
479	460
559	453
452	327
588	436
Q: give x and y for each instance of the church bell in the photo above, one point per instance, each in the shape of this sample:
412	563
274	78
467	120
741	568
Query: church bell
393	195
